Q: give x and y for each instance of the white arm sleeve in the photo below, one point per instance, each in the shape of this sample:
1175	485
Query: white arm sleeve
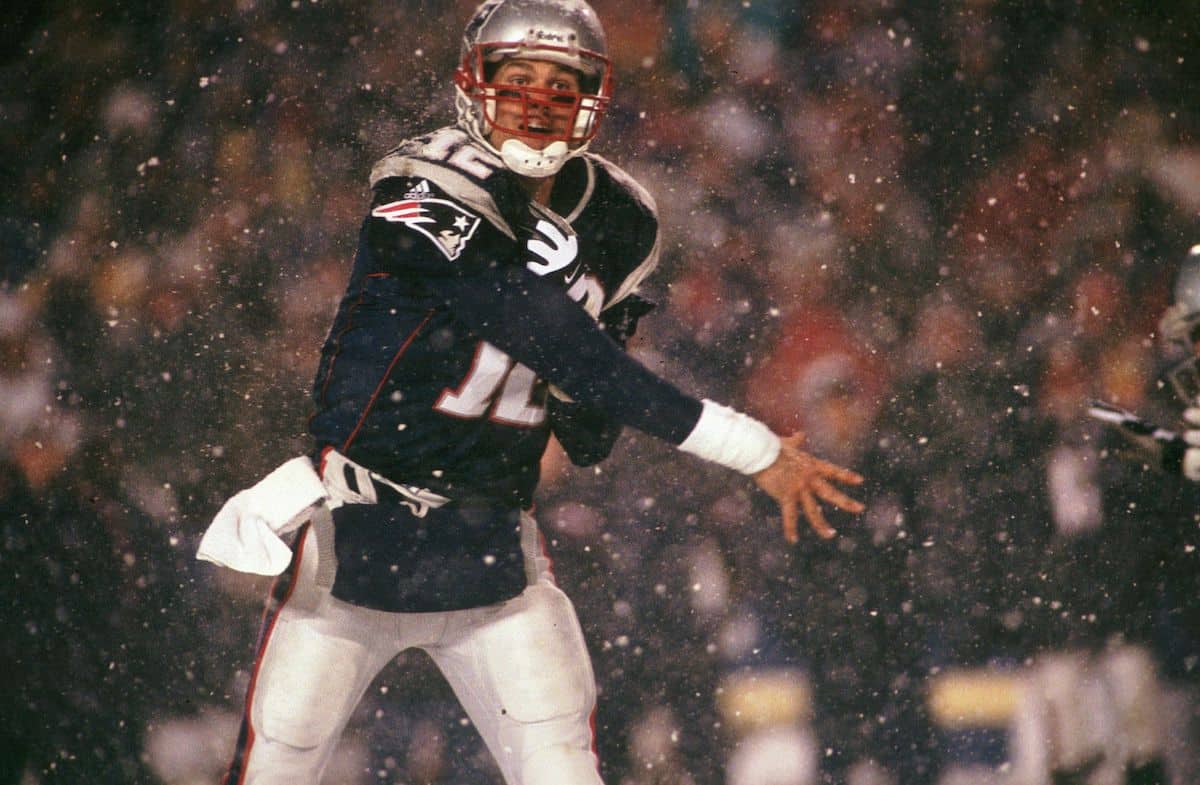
734	440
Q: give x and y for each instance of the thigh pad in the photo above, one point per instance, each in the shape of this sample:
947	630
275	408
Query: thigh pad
307	685
537	659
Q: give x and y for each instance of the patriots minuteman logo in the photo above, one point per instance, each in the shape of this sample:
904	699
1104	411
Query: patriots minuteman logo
444	222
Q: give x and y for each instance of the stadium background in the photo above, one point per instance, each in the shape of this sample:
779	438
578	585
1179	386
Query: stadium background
926	233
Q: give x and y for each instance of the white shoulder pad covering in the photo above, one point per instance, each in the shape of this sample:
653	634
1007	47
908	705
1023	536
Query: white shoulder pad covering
734	440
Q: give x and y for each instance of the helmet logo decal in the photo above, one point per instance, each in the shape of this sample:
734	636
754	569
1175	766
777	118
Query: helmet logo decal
445	223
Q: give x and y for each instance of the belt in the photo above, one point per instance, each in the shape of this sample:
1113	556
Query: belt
352	483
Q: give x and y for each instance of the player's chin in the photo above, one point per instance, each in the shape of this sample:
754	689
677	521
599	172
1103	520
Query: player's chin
535	142
539	138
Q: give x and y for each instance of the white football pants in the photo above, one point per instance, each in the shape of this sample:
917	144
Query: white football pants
519	668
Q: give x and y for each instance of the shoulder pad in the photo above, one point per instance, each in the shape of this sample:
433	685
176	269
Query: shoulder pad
449	159
623	181
634	201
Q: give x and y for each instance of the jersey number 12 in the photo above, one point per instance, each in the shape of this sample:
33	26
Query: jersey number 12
497	382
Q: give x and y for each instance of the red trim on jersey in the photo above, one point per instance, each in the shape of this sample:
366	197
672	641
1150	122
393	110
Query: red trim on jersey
270	615
592	730
337	341
546	556
379	387
324	457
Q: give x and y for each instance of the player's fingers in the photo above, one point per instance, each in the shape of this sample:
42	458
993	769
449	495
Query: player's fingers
839	473
835	497
816	519
791	529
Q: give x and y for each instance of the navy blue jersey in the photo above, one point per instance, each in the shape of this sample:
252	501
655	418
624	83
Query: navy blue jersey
465	302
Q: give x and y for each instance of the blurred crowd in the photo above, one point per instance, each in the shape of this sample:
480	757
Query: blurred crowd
926	234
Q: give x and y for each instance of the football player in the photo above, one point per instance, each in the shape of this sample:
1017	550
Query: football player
491	297
1167	450
1180	326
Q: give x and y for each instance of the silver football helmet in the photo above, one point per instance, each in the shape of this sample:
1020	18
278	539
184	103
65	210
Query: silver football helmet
1180	325
566	32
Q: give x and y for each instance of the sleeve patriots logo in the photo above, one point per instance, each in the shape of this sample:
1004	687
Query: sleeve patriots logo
445	223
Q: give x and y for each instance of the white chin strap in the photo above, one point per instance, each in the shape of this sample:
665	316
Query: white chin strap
524	160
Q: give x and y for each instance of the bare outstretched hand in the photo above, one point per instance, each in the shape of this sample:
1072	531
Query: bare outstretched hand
799	481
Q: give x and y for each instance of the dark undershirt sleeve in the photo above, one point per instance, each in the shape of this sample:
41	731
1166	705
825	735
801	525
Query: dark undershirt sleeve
534	322
586	433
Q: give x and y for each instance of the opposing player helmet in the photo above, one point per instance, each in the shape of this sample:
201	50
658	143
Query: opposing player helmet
1180	325
566	32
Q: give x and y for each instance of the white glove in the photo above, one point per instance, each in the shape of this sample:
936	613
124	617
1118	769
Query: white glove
1191	436
245	534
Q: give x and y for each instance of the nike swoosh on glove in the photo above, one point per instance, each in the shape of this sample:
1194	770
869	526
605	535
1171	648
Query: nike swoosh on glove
244	535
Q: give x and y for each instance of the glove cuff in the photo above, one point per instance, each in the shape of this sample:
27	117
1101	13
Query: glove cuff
734	440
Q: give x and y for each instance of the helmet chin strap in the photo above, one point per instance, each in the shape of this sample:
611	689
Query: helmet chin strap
528	162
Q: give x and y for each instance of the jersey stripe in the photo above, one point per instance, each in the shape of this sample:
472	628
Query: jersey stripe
337	341
379	387
281	592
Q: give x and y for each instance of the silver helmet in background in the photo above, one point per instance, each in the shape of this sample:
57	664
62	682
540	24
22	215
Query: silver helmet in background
1180	327
566	32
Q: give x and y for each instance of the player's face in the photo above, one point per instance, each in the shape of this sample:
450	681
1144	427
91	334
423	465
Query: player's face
545	115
